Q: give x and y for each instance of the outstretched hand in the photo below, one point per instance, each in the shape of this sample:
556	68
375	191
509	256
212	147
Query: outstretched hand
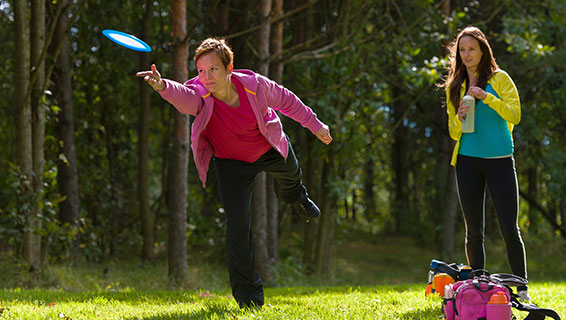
323	134
153	78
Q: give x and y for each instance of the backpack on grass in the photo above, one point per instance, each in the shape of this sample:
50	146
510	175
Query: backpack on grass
473	299
469	299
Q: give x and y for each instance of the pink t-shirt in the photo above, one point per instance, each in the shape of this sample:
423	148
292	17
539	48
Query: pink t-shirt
233	132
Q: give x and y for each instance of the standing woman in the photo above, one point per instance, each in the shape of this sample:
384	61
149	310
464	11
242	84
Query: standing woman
236	125
484	157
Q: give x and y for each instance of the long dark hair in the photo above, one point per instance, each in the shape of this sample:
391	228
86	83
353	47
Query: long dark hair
458	73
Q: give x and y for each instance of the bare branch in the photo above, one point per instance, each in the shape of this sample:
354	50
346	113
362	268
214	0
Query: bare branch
307	43
252	48
545	213
202	20
35	70
317	53
60	44
332	88
271	20
494	13
402	18
406	113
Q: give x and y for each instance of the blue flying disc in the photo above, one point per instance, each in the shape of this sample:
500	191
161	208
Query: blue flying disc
126	40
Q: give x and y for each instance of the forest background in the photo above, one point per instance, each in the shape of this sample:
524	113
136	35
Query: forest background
95	167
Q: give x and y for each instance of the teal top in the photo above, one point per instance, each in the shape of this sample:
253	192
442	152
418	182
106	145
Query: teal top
491	137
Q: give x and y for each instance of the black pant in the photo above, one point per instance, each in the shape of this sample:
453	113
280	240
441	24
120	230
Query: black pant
235	179
473	175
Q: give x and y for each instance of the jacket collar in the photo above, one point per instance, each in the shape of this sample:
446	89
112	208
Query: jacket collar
248	79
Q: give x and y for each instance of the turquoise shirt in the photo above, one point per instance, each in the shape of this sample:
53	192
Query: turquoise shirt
491	137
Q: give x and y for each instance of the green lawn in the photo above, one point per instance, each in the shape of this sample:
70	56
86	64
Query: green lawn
371	278
376	302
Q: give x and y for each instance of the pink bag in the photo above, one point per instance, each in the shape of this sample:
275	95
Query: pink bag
470	298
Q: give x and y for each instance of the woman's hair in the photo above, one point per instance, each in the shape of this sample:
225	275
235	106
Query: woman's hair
458	73
220	46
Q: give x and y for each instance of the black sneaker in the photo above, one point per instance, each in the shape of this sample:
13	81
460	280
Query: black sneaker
252	306
307	209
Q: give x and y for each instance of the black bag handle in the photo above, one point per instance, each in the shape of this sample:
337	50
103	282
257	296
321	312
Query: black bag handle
476	283
478	273
535	313
509	279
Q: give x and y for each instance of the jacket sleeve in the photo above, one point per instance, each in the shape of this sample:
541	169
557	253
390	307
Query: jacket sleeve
182	97
282	99
454	124
508	105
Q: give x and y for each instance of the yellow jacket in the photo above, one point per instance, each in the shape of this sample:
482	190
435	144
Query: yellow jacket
507	106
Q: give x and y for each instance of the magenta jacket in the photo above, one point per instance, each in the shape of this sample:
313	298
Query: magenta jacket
264	95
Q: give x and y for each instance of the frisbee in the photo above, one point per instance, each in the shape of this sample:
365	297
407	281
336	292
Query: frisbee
126	40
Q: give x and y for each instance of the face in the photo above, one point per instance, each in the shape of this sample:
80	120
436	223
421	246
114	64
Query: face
470	51
212	73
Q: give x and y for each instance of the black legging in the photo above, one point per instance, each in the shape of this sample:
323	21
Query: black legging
473	175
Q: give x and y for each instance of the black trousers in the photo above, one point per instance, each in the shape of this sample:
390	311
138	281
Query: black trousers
499	176
235	179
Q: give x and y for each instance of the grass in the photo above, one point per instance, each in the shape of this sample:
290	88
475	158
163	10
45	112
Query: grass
372	278
285	303
343	302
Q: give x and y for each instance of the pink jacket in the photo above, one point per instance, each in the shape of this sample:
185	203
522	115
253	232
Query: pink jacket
264	95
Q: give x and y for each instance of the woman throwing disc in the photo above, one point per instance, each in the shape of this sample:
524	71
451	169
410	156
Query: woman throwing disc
236	125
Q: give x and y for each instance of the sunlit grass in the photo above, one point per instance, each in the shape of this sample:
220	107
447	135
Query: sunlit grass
377	302
371	277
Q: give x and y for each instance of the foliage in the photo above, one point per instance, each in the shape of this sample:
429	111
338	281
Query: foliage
369	72
17	204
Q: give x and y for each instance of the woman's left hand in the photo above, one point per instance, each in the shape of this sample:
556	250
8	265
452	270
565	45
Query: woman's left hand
323	134
477	92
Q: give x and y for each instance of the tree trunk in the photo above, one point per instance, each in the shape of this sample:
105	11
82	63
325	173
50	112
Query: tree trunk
259	206
275	73
24	137
399	164
222	17
22	107
272	222
311	227
327	219
178	170
369	196
263	38
113	178
450	215
147	221
302	32
342	174
532	191
38	109
33	240
276	44
354	201
562	213
67	177
451	203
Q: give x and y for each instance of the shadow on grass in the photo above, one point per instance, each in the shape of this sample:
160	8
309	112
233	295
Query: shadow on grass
207	312
430	313
164	297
